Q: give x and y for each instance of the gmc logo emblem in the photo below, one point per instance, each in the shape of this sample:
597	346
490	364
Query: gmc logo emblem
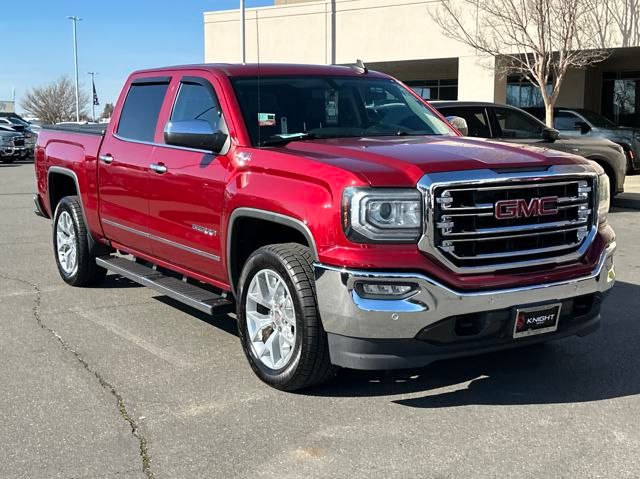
508	209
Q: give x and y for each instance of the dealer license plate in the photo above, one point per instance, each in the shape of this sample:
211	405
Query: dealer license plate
536	320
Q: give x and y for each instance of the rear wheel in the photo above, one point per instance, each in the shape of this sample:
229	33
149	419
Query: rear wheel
278	321
76	265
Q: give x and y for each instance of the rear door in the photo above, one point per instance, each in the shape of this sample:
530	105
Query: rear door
123	172
187	191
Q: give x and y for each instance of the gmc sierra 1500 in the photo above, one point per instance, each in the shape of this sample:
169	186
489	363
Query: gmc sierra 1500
349	222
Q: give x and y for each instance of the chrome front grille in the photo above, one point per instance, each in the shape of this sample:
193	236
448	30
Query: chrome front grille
464	228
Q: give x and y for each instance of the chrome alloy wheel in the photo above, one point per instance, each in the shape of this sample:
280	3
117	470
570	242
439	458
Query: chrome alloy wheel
271	319
66	244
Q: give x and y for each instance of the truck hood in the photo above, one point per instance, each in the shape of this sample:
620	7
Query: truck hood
402	161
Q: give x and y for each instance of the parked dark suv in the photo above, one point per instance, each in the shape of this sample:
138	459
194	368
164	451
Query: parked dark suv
513	125
586	123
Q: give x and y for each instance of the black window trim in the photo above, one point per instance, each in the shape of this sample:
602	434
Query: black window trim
150	81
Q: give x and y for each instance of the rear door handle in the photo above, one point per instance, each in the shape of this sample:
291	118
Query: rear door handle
158	168
107	159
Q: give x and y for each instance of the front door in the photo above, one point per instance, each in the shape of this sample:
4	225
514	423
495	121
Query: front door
517	126
123	171
186	188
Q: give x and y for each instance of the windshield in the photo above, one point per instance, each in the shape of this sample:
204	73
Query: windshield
597	120
332	107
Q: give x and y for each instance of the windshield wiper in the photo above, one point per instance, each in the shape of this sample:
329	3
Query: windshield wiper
284	138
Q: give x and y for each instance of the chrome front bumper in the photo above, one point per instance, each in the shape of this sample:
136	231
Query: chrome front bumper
344	312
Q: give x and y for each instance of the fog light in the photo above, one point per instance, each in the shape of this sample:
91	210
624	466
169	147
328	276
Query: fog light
385	290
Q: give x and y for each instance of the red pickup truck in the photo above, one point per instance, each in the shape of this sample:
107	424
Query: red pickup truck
349	223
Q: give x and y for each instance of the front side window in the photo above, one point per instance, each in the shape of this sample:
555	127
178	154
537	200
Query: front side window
140	111
197	102
476	118
564	120
518	125
332	107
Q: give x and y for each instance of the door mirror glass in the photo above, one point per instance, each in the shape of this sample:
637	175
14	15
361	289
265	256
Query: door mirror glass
583	127
550	134
459	124
197	134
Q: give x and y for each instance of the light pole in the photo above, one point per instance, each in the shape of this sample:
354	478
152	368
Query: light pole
75	21
243	51
93	95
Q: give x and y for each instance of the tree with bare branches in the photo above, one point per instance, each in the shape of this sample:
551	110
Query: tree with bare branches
537	39
55	102
619	21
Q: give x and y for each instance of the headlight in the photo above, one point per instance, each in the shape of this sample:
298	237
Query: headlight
603	198
385	215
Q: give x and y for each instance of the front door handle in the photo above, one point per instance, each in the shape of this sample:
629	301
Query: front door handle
107	159
158	168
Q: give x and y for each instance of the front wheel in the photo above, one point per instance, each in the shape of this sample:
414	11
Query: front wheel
278	322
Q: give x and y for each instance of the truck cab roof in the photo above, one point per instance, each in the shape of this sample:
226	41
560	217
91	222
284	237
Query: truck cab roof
269	69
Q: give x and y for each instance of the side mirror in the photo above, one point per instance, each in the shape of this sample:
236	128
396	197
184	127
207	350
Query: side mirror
459	124
550	134
583	127
196	134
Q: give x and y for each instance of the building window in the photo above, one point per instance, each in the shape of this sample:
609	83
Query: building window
524	94
435	89
621	98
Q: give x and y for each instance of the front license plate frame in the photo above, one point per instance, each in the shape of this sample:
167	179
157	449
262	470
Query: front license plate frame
534	320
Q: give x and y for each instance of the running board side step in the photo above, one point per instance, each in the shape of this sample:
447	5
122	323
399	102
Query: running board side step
189	294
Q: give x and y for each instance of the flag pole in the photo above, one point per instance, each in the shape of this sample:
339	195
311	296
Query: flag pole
75	21
94	96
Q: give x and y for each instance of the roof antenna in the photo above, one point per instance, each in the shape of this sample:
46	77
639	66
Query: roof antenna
359	66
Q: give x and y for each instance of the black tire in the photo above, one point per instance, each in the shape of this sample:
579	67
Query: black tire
87	273
309	363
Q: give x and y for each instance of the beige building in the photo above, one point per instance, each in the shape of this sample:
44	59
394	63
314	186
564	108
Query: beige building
399	37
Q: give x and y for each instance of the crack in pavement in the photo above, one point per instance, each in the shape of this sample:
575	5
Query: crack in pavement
135	431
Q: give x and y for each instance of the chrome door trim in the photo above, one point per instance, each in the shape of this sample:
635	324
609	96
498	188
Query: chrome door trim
163	145
160	239
158	168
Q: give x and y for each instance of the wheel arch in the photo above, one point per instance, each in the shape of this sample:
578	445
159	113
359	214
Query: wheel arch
288	226
61	182
59	188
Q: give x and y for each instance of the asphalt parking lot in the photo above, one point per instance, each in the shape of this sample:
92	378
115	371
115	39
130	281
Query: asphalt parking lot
119	382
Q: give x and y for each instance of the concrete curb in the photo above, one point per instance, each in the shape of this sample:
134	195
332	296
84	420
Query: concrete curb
627	200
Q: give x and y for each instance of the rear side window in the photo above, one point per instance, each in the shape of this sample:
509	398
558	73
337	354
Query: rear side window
140	112
197	102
